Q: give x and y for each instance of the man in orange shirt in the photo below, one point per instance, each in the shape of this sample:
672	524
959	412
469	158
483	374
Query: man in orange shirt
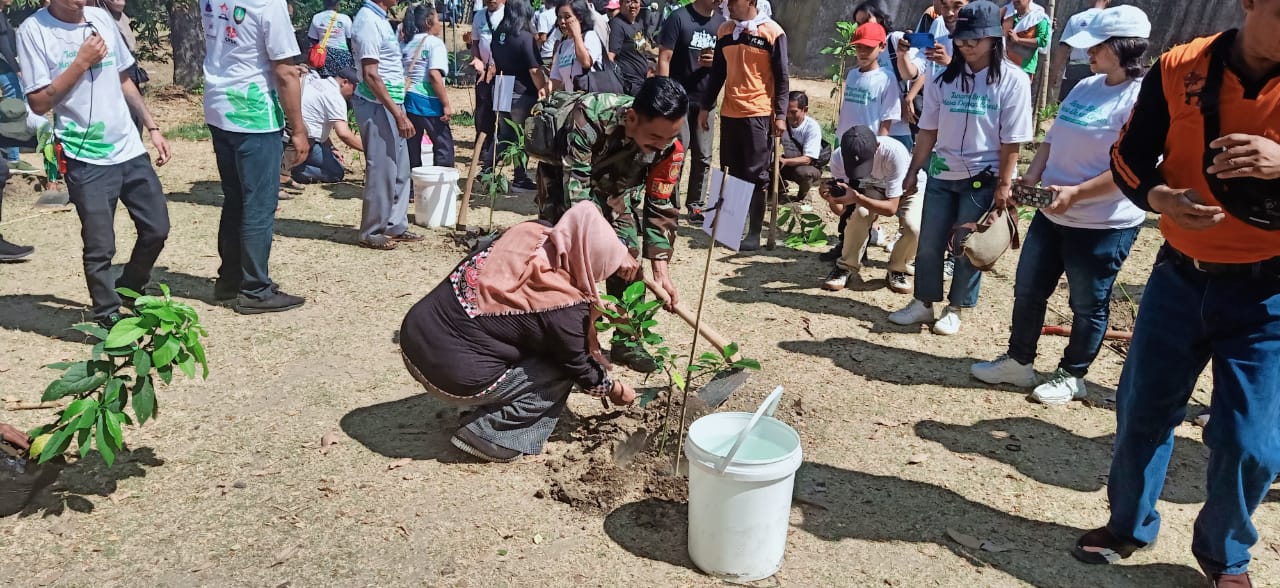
750	64
1212	109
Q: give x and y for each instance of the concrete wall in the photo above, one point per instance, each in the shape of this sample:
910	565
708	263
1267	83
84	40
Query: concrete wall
810	23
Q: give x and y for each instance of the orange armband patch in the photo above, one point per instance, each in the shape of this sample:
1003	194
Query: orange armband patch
665	174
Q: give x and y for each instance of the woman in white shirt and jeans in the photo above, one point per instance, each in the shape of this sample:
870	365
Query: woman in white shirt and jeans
581	47
977	114
1089	228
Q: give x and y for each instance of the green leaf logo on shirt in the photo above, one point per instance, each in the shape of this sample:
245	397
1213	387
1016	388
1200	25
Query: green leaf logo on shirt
86	143
937	165
252	110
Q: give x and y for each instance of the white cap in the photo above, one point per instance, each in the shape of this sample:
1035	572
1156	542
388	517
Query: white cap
1118	21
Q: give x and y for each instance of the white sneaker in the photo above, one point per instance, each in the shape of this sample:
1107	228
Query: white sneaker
915	313
1004	370
949	324
1060	388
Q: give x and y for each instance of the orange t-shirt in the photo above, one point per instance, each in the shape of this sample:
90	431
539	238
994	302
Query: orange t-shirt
1182	73
749	88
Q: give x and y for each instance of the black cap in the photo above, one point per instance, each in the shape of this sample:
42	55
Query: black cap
858	148
978	20
349	74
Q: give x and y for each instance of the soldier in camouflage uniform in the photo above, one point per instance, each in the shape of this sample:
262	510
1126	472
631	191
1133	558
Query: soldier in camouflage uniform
623	155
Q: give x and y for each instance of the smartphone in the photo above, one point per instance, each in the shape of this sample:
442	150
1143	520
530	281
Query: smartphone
921	40
1033	196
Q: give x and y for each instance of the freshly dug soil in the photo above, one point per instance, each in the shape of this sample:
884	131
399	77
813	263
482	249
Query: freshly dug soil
600	462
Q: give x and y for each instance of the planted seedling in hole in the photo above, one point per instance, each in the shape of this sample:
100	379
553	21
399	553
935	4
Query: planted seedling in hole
162	335
632	319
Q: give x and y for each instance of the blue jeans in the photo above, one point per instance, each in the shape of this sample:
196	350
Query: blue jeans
1091	259
1187	318
948	203
12	88
249	166
321	166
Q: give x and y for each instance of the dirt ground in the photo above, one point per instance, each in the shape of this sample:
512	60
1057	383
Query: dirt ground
230	486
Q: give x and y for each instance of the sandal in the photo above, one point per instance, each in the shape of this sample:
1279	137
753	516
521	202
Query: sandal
1109	548
406	237
384	245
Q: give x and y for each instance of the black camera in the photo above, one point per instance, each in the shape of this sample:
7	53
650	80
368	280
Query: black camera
835	189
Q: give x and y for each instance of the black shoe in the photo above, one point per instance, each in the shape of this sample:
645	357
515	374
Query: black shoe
110	320
525	184
471	444
696	217
633	357
277	302
831	255
750	243
225	291
12	252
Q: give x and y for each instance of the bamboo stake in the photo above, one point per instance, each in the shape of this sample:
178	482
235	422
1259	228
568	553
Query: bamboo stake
465	206
773	194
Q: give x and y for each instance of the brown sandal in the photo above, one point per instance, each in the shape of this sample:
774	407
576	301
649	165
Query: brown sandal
1109	548
386	245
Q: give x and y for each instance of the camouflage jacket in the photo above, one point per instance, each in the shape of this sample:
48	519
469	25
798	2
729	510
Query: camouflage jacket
632	188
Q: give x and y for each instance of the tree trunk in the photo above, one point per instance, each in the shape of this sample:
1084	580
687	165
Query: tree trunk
187	38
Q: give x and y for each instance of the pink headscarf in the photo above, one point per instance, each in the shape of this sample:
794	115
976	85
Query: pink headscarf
533	268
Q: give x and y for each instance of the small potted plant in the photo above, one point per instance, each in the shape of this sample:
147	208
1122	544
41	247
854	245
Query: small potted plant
162	336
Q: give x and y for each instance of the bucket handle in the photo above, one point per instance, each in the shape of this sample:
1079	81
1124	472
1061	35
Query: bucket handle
766	409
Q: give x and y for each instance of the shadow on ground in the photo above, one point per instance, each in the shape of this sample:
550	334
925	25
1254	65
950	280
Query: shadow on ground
1053	455
884	509
45	315
417	427
896	365
90	476
797	284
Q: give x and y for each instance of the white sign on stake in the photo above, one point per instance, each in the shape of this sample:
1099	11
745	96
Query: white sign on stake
737	202
503	90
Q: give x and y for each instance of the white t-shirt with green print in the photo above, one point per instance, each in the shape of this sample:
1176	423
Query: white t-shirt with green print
373	38
241	40
92	121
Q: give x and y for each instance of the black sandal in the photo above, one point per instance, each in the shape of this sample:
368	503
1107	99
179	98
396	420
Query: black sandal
1111	549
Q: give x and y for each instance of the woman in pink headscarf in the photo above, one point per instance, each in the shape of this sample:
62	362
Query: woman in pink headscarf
510	332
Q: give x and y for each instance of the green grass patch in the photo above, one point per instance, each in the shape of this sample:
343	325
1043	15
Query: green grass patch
189	132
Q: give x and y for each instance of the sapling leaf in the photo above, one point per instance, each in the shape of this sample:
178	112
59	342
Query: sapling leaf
164	314
91	329
82	440
146	302
730	350
144	400
647	397
112	393
166	349
104	447
197	351
677	380
650	306
633	293
57	444
112	420
610	299
749	364
78	385
87	417
125	333
96	352
63	365
602	326
164	288
128	293
625	329
188	366
141	362
649	324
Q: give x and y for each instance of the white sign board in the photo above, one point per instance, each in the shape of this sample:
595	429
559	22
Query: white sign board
737	202
503	89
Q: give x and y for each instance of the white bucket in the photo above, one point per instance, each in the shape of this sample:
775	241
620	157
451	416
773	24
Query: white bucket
436	191
742	470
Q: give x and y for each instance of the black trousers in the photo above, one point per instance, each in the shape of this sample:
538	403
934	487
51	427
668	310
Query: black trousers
486	122
94	190
746	148
441	140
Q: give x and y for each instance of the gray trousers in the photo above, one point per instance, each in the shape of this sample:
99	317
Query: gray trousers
385	213
697	157
518	413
